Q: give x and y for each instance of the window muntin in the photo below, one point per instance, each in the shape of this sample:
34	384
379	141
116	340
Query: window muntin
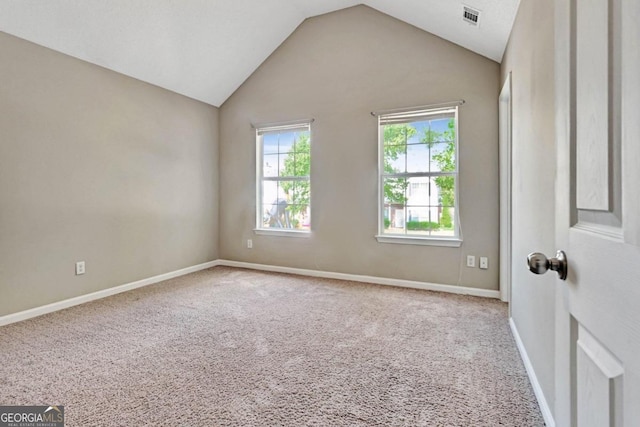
418	174
284	186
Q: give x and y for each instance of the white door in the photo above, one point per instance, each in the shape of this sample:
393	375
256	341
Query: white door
598	212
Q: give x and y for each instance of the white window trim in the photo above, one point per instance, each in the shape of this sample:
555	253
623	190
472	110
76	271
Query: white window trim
453	242
264	128
409	239
282	232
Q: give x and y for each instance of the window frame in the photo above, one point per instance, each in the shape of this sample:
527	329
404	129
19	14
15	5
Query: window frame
262	130
421	114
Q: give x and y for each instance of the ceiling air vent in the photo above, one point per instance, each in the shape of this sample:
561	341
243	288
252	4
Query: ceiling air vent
470	15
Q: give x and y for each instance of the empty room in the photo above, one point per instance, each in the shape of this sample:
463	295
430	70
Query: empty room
319	213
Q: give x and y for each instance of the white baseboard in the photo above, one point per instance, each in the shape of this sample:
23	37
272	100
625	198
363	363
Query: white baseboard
61	305
537	389
366	279
49	308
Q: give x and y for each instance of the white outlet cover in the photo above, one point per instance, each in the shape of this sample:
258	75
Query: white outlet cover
471	261
80	268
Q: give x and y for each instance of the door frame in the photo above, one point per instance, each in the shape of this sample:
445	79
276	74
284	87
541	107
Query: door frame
504	128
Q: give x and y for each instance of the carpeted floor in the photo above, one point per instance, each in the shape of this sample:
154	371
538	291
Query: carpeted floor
233	347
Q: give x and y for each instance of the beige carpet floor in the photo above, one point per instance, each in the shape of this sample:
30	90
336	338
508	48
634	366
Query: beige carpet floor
233	347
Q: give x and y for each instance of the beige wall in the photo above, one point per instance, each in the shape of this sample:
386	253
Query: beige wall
99	167
530	58
337	68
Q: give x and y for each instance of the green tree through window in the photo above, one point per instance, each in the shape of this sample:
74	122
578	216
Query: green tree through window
395	145
298	163
418	173
447	163
283	188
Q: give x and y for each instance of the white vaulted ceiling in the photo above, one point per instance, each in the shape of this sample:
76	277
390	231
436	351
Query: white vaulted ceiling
205	49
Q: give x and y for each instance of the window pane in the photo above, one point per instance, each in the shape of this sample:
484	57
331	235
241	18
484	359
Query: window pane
396	138
445	189
266	215
418	158
395	190
398	134
286	204
299	192
395	161
418	217
298	216
271	192
420	220
270	144
446	220
443	157
418	191
270	165
276	215
275	203
285	142
298	161
395	194
302	143
394	219
444	127
291	165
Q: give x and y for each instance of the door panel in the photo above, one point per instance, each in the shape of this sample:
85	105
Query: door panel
599	379
592	80
598	216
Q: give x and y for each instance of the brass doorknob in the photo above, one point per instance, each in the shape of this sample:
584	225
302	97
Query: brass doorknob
539	264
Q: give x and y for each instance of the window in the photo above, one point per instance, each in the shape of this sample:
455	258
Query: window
284	186
418	174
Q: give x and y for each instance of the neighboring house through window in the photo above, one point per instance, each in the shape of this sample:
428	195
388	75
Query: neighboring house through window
418	177
283	172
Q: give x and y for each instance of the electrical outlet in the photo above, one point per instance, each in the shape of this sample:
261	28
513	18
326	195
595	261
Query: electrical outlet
484	263
250	244
80	268
471	261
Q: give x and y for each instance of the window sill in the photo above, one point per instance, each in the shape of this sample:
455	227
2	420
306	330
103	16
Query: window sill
452	242
281	232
